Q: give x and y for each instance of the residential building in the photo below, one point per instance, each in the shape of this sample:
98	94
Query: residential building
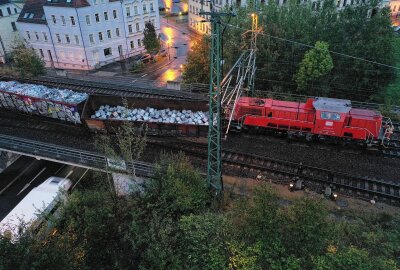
9	13
86	34
198	22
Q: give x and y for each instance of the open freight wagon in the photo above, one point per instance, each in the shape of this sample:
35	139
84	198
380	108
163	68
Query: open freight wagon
94	102
66	111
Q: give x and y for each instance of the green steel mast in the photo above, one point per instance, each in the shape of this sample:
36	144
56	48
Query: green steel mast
214	164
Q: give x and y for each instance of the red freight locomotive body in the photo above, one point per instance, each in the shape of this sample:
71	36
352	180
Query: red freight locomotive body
320	116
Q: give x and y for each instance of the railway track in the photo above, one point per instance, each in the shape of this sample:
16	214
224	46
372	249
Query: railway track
393	150
28	122
250	165
109	88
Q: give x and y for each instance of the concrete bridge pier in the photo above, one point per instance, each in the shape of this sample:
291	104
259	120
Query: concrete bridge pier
6	159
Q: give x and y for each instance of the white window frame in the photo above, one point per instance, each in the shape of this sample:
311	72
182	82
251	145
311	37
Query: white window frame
91	39
72	18
63	22
88	20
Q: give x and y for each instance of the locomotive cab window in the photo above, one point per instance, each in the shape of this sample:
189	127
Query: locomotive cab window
330	116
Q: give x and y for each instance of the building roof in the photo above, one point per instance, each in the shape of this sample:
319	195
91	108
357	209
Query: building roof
332	105
33	11
4	2
68	3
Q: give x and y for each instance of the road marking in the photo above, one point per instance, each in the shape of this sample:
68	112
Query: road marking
70	172
144	75
59	169
34	178
16	178
79	179
134	80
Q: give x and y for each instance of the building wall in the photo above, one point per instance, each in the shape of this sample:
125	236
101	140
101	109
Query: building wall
89	37
8	34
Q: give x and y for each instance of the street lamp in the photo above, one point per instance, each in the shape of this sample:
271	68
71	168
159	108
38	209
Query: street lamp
169	56
167	9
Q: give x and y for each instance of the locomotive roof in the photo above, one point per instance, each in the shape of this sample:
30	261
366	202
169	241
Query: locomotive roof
332	105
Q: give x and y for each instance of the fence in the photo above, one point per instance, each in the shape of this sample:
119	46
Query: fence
69	155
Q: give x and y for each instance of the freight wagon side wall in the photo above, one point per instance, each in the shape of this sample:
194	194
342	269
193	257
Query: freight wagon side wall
43	107
167	129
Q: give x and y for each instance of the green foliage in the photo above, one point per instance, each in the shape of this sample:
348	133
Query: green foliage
352	258
202	241
317	62
197	67
150	40
392	95
27	62
173	225
137	67
346	31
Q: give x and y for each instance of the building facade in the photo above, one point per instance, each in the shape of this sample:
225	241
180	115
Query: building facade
196	21
9	13
86	34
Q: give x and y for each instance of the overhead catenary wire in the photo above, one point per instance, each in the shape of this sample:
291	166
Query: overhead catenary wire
313	47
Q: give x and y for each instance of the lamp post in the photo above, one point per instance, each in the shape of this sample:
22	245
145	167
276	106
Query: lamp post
167	15
169	56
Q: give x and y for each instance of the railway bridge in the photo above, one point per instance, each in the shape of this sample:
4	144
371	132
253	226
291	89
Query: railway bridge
71	156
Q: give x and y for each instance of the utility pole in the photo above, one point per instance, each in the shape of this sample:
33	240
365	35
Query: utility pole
214	164
253	45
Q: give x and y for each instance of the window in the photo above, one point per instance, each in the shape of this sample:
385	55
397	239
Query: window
115	14
144	8
91	39
330	116
130	28
151	7
135	10
109	33
97	17
41	53
137	27
1	13
67	39
138	42
128	11
63	20
100	36
9	11
58	38
72	18
28	34
106	16
37	36
14	27
102	1
87	19
53	18
117	32
76	40
152	21
132	45
107	52
15	10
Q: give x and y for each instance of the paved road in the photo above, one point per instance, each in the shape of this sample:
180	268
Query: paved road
26	173
180	43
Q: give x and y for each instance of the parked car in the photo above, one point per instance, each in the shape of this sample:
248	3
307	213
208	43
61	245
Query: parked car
144	58
159	53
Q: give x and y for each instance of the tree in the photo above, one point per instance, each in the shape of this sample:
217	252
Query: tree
197	67
316	63
346	30
150	40
27	62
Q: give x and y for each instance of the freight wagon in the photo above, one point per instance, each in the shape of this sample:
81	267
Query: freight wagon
116	108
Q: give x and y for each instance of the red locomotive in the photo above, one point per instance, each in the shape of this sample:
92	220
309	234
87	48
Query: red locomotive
318	117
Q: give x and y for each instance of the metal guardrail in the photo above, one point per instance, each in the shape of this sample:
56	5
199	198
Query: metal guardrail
69	155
